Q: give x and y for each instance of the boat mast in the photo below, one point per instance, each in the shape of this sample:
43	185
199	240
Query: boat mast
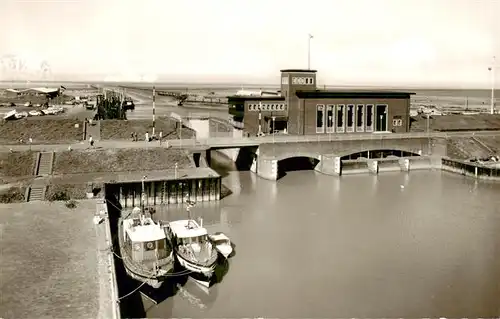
190	204
143	194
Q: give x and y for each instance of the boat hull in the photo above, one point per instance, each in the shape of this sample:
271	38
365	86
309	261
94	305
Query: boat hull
203	275
139	271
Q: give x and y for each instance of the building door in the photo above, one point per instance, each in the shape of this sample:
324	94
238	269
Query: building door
381	118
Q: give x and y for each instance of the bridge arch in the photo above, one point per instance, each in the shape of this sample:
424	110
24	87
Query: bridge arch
378	153
297	162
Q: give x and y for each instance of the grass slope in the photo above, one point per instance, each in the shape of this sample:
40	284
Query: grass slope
41	130
122	130
118	160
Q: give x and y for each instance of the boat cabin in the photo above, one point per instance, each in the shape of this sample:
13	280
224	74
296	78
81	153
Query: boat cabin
187	232
145	239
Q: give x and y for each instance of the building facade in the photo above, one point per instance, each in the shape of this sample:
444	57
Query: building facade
302	109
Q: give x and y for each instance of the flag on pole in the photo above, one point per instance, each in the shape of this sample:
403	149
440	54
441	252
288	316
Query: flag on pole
310	36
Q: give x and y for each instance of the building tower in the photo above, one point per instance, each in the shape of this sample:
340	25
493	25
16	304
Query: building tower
293	80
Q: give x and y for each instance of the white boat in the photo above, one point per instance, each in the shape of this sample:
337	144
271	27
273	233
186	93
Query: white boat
21	115
222	244
146	253
10	115
193	249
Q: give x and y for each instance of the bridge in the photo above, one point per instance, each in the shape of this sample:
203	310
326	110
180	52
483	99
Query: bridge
263	154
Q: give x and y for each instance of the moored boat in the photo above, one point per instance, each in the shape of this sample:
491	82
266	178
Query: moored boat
222	243
193	249
146	253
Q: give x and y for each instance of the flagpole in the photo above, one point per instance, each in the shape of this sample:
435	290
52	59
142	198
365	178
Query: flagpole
154	97
493	86
309	52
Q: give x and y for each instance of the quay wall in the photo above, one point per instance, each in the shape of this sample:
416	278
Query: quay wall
471	169
167	192
102	211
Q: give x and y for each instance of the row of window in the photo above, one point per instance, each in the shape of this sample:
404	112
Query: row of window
349	118
298	80
267	107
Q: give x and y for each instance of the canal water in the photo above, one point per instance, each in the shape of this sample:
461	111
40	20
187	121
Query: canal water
421	244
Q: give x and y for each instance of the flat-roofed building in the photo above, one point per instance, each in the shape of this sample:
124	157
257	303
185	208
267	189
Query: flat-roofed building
302	109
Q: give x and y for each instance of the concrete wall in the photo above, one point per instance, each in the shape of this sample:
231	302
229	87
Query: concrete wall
331	165
282	151
202	128
231	153
168	192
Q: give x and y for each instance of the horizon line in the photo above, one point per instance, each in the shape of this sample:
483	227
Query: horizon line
251	84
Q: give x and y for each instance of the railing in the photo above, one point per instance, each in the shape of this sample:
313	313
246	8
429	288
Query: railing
330	137
470	169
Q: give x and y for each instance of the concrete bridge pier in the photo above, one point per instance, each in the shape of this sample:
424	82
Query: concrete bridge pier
404	163
268	169
373	166
253	167
330	165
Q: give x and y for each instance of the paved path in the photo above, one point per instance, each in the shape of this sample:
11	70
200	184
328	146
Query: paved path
230	142
94	131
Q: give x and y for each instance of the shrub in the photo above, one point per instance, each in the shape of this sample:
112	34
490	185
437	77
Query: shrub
12	195
59	196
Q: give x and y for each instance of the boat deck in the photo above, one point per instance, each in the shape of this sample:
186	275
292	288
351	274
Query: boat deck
54	262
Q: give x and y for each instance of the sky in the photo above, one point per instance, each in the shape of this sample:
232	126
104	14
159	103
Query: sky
429	43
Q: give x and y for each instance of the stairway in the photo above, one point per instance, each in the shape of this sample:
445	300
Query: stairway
36	193
45	162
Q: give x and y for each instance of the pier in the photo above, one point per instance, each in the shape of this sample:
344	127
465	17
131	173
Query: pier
194	98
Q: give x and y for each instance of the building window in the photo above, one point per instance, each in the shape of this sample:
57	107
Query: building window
340	118
360	114
381	118
350	118
369	117
329	118
311	80
284	80
320	114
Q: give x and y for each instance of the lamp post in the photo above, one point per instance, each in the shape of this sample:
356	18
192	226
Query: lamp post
154	98
274	119
492	69
180	130
260	118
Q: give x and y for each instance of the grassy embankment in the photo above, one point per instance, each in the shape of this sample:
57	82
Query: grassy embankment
16	173
79	172
42	130
122	130
463	147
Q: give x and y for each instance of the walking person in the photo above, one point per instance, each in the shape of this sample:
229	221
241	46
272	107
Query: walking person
161	136
91	141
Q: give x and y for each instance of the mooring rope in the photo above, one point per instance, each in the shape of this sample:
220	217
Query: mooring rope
110	249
